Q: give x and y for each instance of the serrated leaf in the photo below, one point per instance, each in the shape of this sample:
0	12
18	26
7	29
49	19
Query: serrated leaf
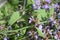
40	32
14	18
40	13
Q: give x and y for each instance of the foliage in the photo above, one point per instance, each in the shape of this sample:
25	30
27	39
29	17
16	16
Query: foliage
11	17
14	18
14	2
40	32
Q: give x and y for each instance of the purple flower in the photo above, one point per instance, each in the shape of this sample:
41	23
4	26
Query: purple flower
48	1
29	33
59	15
56	36
51	18
36	36
50	32
56	5
54	21
10	27
31	19
18	34
46	6
5	38
47	27
58	26
37	2
40	27
35	7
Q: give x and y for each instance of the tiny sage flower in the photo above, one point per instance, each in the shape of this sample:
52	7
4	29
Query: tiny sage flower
56	5
29	33
36	36
18	34
59	15
37	2
40	27
48	1
10	27
31	19
36	6
56	36
5	38
46	6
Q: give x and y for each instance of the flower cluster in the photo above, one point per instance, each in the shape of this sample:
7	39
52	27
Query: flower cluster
52	29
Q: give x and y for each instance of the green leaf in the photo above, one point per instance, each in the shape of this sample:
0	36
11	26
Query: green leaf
6	11
2	22
40	32
24	28
29	2
1	14
14	2
14	18
23	32
16	26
